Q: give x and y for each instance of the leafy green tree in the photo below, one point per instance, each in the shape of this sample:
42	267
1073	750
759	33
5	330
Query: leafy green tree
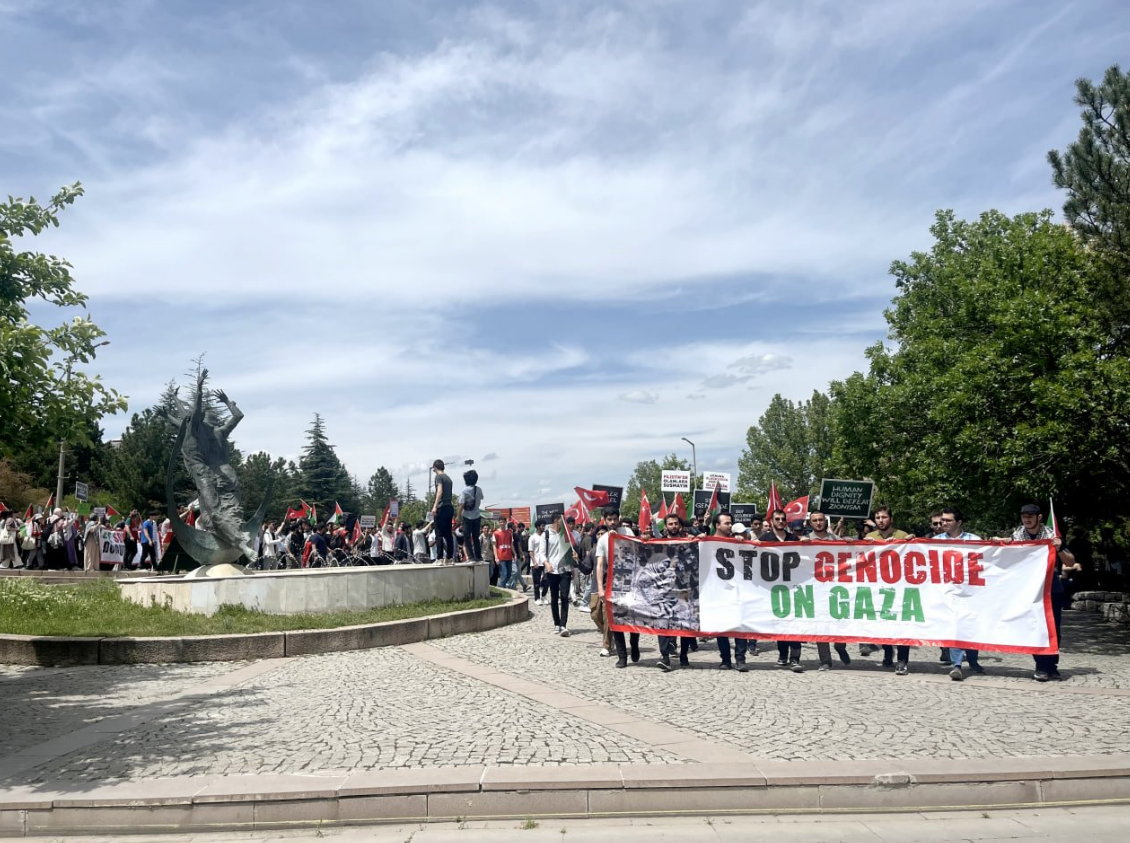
998	386
649	476
46	397
791	445
413	511
134	470
256	473
324	478
381	488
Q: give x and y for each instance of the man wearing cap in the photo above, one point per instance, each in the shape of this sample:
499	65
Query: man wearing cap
1032	530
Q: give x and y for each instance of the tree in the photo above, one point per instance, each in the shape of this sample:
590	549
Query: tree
999	386
408	494
135	469
46	397
324	478
256	472
791	445
649	476
381	489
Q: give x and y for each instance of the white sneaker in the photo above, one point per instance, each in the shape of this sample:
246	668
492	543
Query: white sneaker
604	652
565	632
557	630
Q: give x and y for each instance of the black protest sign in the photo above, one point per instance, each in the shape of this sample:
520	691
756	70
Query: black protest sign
702	501
546	511
744	513
615	493
846	498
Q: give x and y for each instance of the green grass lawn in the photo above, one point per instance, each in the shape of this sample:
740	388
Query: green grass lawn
96	609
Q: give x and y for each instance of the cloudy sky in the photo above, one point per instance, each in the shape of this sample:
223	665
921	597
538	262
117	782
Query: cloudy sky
552	237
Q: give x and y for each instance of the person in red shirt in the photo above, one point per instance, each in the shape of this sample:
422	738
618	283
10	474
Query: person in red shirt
504	553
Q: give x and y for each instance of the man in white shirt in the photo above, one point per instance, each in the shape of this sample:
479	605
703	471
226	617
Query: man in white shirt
537	563
420	542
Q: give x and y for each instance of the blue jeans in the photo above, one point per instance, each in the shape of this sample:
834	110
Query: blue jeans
505	572
957	656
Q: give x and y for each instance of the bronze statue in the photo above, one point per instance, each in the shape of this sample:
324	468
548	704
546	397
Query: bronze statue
202	440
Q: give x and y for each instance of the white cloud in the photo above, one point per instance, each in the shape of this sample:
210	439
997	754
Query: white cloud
640	396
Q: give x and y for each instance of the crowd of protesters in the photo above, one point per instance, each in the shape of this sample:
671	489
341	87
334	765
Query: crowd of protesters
60	539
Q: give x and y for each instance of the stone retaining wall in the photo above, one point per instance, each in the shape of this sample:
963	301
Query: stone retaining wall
58	651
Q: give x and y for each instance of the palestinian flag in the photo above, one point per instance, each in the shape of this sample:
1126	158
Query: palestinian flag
1051	519
313	510
28	515
111	512
338	514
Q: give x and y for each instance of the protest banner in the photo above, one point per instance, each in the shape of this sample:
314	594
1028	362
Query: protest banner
393	508
721	479
846	498
99	512
82	491
921	592
512	513
546	511
702	501
675	481
113	546
744	512
615	493
368	522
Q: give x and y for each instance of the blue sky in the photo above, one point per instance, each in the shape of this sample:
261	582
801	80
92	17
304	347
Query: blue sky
551	237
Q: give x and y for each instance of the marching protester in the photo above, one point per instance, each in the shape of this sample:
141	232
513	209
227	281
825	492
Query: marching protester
148	541
559	569
788	652
1033	529
820	533
610	525
9	540
885	532
537	545
674	528
724	527
952	530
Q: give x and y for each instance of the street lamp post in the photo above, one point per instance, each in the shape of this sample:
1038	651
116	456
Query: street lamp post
63	440
694	463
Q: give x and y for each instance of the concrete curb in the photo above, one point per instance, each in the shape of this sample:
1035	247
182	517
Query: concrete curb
60	651
444	794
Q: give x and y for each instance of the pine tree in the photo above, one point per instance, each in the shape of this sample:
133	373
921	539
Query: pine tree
324	478
381	489
408	494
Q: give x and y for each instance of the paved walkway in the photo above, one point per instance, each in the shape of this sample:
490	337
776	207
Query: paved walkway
522	696
1044	825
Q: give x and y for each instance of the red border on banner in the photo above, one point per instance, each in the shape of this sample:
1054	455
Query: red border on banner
1051	649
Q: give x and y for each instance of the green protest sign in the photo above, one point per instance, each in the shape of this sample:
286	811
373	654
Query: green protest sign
846	498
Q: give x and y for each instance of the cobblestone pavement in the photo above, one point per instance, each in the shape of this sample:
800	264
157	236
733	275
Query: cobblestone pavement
392	707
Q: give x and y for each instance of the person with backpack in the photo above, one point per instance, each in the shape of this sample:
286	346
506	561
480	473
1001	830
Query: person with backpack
469	501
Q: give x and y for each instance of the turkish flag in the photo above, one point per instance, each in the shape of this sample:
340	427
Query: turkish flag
579	512
356	537
774	502
591	499
645	515
795	511
678	507
663	508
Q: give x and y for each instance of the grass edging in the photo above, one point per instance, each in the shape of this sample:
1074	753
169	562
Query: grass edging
46	650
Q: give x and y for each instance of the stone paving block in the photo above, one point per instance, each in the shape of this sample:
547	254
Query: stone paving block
373	808
77	820
539	803
1073	790
420	780
289	812
45	650
704	799
265	788
982	794
638	776
572	777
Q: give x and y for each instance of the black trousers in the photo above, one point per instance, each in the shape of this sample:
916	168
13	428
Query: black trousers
541	581
472	539
1050	664
667	647
148	550
445	541
559	597
622	646
788	650
741	647
903	653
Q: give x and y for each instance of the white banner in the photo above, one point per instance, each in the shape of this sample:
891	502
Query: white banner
721	479
675	481
920	592
113	544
